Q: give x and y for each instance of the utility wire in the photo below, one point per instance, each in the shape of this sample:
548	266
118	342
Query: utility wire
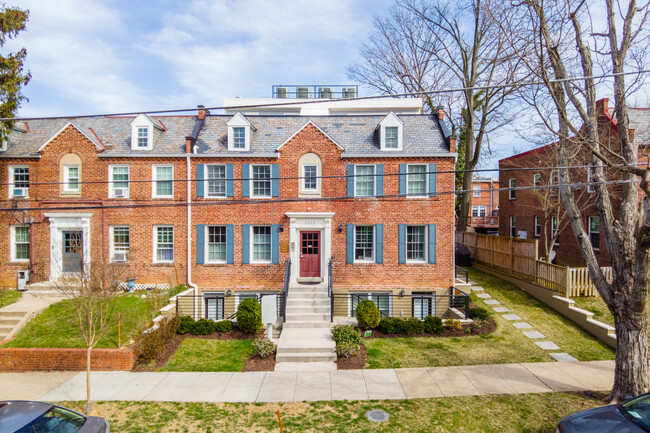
320	101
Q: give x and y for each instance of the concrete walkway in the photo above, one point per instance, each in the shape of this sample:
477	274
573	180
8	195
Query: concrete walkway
278	386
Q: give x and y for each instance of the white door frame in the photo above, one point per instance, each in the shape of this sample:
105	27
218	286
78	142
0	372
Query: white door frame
315	222
60	222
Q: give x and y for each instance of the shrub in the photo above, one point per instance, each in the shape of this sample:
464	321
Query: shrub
433	325
185	325
223	326
263	347
413	325
347	348
249	316
367	314
152	342
345	333
479	313
453	325
203	327
390	325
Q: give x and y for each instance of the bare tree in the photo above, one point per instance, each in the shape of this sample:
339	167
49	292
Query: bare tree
563	48
426	45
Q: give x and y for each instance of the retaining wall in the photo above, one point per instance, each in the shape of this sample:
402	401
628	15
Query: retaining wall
33	359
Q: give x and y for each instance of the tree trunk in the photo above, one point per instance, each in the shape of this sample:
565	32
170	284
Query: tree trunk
631	374
88	402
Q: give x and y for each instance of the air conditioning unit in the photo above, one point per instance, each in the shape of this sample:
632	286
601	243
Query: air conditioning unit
20	192
120	256
325	93
302	93
119	192
349	92
281	93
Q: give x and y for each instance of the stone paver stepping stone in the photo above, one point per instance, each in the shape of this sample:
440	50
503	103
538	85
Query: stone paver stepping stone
563	357
523	325
483	295
477	289
491	302
547	345
534	334
511	317
501	310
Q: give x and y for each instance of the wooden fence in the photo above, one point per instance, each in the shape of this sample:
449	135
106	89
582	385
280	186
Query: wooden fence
518	257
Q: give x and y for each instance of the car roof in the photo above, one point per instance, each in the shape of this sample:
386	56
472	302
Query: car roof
16	414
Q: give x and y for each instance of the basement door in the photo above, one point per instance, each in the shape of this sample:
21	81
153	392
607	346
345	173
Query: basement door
310	254
72	251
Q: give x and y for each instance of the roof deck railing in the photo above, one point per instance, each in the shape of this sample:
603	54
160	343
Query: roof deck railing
319	91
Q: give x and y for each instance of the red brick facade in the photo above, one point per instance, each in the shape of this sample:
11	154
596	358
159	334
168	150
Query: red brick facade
488	202
20	359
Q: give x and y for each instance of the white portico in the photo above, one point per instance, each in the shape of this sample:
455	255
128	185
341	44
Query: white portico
310	239
69	243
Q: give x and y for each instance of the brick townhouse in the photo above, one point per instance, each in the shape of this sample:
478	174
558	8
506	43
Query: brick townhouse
484	205
522	212
264	187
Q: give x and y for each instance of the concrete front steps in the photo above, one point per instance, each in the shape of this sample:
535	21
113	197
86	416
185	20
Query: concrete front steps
10	323
306	343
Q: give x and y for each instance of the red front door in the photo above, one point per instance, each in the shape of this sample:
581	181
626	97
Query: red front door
309	254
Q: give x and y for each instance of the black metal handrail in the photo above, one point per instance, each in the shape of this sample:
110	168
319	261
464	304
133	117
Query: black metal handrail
462	271
280	303
285	290
330	287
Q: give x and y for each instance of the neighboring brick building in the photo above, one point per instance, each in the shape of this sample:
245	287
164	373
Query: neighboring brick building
378	216
522	213
484	205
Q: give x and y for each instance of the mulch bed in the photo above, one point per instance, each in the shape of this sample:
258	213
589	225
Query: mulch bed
485	328
354	362
257	363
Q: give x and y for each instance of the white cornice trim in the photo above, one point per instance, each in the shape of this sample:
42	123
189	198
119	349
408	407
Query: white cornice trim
63	129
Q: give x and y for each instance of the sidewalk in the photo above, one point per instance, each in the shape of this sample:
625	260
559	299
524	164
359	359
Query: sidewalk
276	386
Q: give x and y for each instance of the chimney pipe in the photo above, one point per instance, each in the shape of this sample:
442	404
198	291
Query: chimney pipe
202	112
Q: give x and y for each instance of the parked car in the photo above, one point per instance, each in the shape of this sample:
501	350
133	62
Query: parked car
38	417
630	416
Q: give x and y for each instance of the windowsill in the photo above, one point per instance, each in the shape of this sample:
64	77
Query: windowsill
261	263
416	263
261	197
120	263
21	197
163	264
212	197
417	197
119	198
214	264
364	263
19	261
71	192
166	197
238	149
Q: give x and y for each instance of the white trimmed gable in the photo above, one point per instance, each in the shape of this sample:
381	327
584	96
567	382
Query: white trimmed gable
236	125
142	129
303	127
93	140
391	123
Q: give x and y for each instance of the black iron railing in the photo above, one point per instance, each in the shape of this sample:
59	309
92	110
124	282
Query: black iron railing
330	287
199	305
285	290
462	273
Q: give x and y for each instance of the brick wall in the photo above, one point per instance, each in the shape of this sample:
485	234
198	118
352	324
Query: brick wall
21	359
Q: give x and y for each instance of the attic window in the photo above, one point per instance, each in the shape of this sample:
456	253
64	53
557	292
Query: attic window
391	137
142	132
239	133
239	138
143	137
391	132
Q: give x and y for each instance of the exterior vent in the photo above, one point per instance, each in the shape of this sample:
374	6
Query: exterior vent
282	93
20	192
325	93
120	257
119	192
302	93
349	92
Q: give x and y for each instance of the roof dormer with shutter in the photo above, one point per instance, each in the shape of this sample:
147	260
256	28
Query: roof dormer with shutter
391	132
239	133
142	132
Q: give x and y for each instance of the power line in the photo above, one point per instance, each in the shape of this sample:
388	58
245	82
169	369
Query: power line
320	101
309	200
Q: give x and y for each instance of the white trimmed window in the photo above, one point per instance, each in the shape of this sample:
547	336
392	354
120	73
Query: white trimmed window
537	179
120	243
555	180
416	180
163	185
424	304
119	181
310	178
594	232
477	190
538	226
239	133
590	178
382	300
513	227
216	244
479	211
392	133
554	229
240	296
163	244
364	244
416	244
239	137
71	174
215	180
142	129
213	303
20	243
261	244
364	182
18	181
512	193
143	137
260	181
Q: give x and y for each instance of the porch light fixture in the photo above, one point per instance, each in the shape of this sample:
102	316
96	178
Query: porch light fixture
340	228
282	227
229	292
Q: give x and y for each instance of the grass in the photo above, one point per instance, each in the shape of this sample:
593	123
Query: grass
487	414
558	329
597	306
58	326
8	297
210	355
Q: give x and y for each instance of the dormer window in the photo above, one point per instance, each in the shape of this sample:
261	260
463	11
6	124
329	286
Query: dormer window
3	144
142	132
391	132
239	133
143	138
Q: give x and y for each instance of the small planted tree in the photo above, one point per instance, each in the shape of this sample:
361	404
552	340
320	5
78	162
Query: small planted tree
249	316
367	314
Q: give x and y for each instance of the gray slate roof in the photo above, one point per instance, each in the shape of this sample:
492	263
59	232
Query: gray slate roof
356	134
640	122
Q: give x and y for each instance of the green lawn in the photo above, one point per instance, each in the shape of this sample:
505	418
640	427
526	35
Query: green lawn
597	306
58	326
8	297
486	414
210	355
558	329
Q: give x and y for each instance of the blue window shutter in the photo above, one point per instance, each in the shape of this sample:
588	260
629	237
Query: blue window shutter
230	183
402	179
350	180
432	243
275	180
245	243
230	243
244	183
275	243
379	245
199	179
433	180
349	243
402	243
379	180
200	244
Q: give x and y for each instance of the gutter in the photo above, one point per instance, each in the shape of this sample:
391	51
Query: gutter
400	155
189	234
193	155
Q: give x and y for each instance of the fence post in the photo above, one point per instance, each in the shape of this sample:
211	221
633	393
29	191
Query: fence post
535	258
512	256
567	282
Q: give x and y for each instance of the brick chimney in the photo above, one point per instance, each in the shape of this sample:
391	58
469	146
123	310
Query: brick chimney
189	143
441	113
202	112
452	143
631	133
602	106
